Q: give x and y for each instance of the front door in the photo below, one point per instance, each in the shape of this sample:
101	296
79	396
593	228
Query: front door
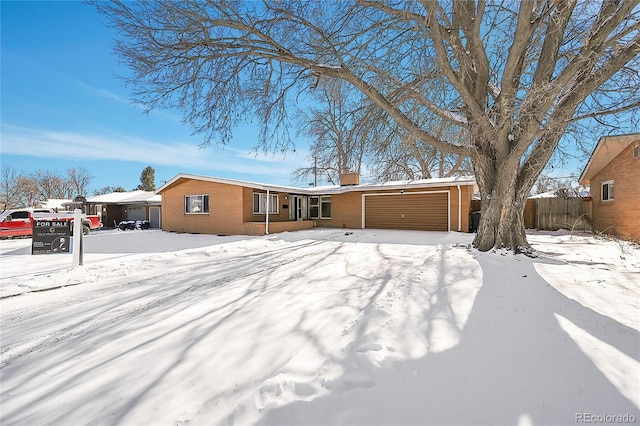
297	208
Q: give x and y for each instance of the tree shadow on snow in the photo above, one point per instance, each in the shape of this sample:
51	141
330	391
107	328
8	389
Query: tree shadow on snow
514	364
96	337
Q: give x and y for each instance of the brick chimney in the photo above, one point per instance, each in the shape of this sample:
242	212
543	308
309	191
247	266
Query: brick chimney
350	179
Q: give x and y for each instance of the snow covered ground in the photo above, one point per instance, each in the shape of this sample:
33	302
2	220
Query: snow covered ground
320	327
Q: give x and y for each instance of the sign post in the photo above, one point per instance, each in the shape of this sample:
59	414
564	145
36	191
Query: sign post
77	238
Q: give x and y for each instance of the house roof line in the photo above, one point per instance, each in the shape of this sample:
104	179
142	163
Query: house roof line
598	160
130	197
235	182
336	189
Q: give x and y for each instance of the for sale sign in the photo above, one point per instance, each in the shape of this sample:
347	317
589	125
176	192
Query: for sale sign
51	237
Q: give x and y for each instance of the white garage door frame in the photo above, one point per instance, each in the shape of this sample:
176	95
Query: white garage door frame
155	217
400	193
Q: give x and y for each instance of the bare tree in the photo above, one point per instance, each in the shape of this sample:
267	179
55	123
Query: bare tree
517	73
21	190
349	131
11	193
48	184
29	191
339	137
401	155
79	180
565	186
405	157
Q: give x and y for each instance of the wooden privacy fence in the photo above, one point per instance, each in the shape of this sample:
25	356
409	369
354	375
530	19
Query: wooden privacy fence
552	214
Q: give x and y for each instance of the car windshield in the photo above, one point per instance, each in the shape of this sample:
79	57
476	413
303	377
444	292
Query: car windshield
4	214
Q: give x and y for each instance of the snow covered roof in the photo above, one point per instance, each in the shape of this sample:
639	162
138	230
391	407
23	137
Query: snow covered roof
330	189
557	193
420	183
55	203
131	197
226	181
550	194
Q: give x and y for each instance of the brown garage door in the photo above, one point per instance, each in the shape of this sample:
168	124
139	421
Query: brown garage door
426	212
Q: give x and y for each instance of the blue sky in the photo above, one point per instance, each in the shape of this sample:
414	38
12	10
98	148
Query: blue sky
63	105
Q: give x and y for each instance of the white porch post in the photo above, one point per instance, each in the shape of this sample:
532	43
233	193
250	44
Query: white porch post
266	226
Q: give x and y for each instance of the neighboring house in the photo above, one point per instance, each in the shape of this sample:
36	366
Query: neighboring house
613	172
133	205
209	205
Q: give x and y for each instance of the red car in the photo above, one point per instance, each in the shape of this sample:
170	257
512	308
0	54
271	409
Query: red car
19	223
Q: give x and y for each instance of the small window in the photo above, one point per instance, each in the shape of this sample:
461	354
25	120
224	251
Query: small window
196	204
320	207
607	191
314	207
636	151
260	203
325	207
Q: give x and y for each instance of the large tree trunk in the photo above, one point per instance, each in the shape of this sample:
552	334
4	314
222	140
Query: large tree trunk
502	214
501	224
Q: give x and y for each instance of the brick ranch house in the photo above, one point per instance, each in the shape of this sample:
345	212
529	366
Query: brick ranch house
613	173
209	205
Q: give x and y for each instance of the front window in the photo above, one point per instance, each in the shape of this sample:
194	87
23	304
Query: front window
320	207
607	191
260	203
196	204
636	151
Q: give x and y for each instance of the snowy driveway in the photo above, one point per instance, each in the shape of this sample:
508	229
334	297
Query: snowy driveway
314	327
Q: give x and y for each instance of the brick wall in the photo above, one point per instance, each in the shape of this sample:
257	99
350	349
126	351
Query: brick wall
230	210
225	208
619	216
345	211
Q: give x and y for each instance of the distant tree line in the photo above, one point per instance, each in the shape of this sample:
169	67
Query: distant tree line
108	190
18	189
